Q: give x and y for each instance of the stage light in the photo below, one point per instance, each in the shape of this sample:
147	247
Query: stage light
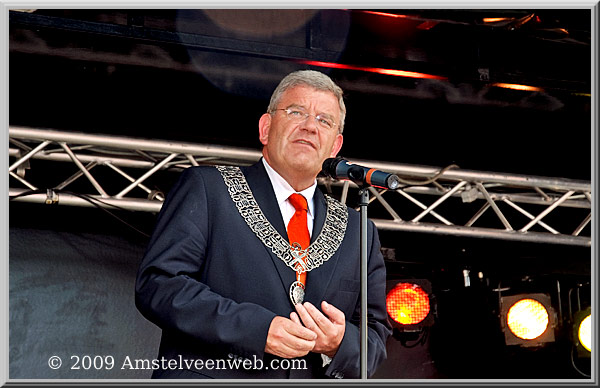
585	333
496	20
393	72
582	332
527	319
385	14
409	305
517	87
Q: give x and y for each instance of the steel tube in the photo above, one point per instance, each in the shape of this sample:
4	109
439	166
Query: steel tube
364	329
521	198
583	224
22	180
345	187
75	176
131	179
531	216
20	144
192	160
478	214
546	197
28	155
86	158
72	200
133	163
84	170
385	204
511	188
456	230
494	206
545	212
482	176
422	206
145	176
132	143
439	201
250	156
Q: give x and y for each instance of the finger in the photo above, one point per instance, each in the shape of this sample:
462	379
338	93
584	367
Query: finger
324	324
297	330
304	342
281	343
282	340
307	319
335	315
295	345
291	350
294	318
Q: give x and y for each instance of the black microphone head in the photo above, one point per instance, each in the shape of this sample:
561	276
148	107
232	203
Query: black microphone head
329	166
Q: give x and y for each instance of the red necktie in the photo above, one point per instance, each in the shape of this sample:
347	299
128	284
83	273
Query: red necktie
297	228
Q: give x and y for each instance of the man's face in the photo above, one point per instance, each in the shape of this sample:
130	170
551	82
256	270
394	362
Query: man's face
294	148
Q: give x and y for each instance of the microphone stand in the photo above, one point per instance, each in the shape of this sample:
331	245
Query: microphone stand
363	203
361	176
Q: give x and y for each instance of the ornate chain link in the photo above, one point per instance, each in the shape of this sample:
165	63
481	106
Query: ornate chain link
321	250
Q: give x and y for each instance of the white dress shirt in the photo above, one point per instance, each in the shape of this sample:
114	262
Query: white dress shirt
283	190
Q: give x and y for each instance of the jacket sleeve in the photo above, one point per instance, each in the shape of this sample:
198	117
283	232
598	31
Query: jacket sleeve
168	289
346	362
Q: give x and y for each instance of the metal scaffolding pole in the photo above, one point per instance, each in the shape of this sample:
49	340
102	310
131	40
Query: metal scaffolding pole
33	148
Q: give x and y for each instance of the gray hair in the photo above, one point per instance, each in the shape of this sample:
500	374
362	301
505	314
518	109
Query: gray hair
313	79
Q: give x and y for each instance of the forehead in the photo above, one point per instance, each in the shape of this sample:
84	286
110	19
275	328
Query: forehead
322	101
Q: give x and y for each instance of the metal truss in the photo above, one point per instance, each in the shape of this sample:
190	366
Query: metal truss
503	206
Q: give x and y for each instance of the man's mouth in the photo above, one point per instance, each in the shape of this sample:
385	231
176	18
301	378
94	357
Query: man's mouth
305	142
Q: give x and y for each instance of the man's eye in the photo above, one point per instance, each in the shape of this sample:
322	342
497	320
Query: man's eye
325	122
295	113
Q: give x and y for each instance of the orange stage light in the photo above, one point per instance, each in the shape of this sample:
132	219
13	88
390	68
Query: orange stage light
390	15
407	304
495	20
517	87
398	73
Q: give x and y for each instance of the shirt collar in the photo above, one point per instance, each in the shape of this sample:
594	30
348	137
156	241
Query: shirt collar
283	189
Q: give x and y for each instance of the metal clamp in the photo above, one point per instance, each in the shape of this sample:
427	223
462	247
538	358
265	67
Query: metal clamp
51	197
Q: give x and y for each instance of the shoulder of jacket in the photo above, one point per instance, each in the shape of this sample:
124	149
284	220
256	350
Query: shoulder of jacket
200	170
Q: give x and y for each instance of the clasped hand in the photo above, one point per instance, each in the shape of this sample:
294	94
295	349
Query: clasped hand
307	330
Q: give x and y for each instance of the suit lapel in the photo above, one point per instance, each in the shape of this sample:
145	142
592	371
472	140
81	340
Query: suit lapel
319	216
319	278
261	187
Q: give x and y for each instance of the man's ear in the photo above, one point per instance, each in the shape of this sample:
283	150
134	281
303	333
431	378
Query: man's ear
264	124
337	145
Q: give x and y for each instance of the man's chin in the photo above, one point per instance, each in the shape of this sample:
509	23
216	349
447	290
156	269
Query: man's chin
306	165
301	157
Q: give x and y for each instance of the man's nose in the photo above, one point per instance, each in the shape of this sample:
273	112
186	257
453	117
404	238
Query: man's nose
310	123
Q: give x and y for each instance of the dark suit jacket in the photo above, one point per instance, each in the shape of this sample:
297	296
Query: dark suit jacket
213	287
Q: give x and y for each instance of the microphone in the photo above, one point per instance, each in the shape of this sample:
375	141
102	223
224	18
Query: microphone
339	168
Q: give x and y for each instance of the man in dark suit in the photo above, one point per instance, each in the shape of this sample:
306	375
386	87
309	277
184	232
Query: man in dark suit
239	295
